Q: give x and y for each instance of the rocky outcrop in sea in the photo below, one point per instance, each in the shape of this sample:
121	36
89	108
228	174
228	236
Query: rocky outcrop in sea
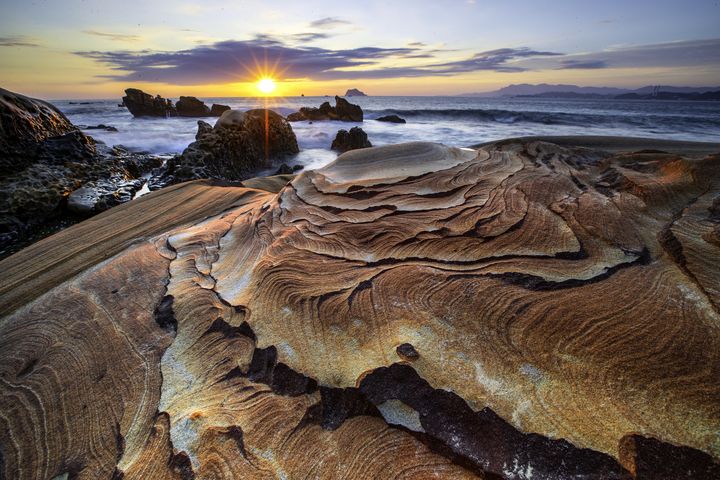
234	149
343	111
352	140
391	119
142	104
354	92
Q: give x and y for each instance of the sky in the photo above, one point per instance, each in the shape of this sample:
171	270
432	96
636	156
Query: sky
70	49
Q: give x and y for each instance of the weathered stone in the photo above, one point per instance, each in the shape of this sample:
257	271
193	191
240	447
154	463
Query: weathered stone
343	110
391	119
142	104
352	140
216	110
232	150
191	107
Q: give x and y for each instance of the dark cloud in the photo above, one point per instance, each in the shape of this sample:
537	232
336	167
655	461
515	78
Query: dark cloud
497	60
689	53
417	44
329	22
236	60
309	36
16	41
581	65
117	37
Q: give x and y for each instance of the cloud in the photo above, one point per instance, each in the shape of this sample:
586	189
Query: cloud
116	37
309	36
580	64
17	41
329	22
498	60
240	60
688	53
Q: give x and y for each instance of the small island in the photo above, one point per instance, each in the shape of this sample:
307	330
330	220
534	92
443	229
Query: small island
354	92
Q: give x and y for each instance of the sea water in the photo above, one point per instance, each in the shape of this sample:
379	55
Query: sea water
456	121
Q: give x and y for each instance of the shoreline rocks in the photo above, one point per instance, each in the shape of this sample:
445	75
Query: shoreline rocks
44	158
354	139
233	149
343	111
391	119
142	104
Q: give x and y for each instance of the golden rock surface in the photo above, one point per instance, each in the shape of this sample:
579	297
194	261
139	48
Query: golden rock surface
522	310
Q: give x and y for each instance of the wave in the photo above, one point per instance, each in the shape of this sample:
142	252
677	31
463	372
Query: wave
545	118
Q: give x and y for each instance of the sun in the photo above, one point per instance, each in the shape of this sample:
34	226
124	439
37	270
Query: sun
266	85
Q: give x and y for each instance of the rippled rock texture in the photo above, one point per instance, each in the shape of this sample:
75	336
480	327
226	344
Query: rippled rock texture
413	311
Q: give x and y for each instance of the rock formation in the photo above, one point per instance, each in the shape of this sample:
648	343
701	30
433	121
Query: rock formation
352	140
343	110
412	311
191	107
234	149
216	110
142	104
43	158
391	119
354	92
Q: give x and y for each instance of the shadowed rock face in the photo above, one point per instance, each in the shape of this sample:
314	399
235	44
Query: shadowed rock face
414	311
352	140
343	110
26	125
142	104
44	159
191	107
234	149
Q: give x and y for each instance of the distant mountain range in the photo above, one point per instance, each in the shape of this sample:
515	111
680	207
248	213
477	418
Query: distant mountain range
545	90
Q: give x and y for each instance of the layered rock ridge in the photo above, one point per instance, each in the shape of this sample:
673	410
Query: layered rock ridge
414	311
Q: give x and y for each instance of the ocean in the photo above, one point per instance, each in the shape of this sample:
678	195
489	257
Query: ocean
457	121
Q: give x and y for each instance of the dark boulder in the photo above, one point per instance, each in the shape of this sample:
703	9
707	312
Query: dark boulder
102	126
343	110
352	140
216	110
191	107
234	149
286	169
391	119
142	104
348	111
204	128
25	124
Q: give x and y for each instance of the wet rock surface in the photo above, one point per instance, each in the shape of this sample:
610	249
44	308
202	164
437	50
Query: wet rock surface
391	119
191	107
234	149
142	104
352	140
44	159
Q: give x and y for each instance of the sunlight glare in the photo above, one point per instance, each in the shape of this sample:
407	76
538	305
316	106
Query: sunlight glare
266	85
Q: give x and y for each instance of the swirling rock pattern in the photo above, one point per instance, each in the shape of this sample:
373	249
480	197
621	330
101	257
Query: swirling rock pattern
522	310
